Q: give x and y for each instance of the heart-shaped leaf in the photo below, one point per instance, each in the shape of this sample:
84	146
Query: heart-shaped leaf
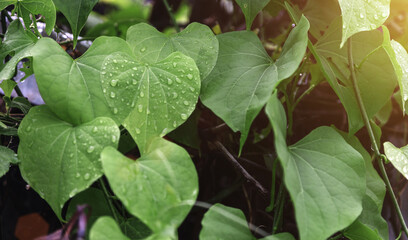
362	15
76	12
245	75
17	42
250	9
105	228
159	96
7	86
7	156
82	99
196	41
159	188
59	160
324	175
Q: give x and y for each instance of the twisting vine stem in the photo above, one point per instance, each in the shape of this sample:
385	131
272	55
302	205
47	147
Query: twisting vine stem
380	157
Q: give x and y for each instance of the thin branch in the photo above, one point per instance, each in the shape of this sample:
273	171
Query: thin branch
239	168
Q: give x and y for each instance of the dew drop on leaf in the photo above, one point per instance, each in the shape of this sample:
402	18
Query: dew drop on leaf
143	49
90	149
183	116
186	103
141	94
169	81
140	108
114	82
86	176
112	95
189	76
134	68
137	131
77	175
115	110
178	80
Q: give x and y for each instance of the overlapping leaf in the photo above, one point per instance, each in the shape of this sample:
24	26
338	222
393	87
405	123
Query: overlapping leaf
44	7
324	175
76	12
320	14
59	160
159	188
196	41
106	228
245	76
251	9
7	156
398	157
362	15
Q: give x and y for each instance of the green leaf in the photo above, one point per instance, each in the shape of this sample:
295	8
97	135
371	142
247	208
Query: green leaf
251	9
8	131
320	14
135	229
370	223
59	160
398	157
376	84
17	43
7	86
196	41
222	222
7	156
279	236
159	96
5	3
159	188
76	12
399	58
105	228
324	175
362	15
21	103
245	76
82	99
44	7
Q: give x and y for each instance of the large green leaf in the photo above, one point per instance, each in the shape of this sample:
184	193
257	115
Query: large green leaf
82	98
324	175
250	9
227	223
398	157
105	228
17	42
44	7
76	12
370	223
320	14
159	96
59	160
245	76
7	156
362	15
376	84
196	41
159	188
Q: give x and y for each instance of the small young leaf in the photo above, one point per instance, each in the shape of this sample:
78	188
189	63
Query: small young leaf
76	12
322	174
59	160
7	156
8	86
159	188
105	228
245	76
196	41
398	157
362	15
250	9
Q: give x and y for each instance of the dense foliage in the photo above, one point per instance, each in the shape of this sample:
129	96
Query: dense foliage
118	130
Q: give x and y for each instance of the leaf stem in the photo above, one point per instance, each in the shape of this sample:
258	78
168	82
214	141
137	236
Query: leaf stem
107	197
173	19
380	158
277	217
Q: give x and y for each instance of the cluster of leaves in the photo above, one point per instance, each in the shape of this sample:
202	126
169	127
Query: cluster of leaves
150	83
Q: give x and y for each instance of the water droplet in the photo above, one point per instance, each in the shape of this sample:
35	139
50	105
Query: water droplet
86	176
361	15
112	95
384	14
28	128
293	25
186	103
134	81
174	124
103	73
115	110
95	129
104	90
134	68
344	26
375	16
183	116
141	94
114	82
113	138
189	76
27	187
178	80
140	108
77	175
245	5
90	149
175	95
137	131
114	60
192	89
143	49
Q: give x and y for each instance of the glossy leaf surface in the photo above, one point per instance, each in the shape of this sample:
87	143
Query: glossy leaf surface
196	41
324	175
76	12
159	188
398	157
362	15
250	9
59	160
245	76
